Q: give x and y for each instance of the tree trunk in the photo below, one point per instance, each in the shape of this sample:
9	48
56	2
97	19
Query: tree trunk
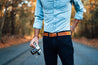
13	21
2	21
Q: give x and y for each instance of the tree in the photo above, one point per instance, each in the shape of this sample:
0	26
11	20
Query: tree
2	21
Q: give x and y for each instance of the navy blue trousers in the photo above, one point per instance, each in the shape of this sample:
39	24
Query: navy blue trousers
58	46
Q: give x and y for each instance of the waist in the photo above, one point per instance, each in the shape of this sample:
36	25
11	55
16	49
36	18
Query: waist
62	33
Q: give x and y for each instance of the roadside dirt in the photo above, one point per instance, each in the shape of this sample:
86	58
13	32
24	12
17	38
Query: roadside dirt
89	42
15	40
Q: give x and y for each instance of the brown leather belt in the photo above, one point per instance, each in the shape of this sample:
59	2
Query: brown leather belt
57	34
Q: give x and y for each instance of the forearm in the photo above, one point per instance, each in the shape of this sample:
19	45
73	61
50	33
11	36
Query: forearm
36	32
75	23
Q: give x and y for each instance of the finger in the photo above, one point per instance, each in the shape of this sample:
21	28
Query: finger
32	40
32	45
36	41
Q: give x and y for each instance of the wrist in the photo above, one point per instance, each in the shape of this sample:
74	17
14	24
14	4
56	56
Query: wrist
72	27
36	36
77	20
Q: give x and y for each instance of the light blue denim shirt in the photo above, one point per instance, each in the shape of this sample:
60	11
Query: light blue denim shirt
56	14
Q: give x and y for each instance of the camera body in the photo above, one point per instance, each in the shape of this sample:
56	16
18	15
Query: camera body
36	49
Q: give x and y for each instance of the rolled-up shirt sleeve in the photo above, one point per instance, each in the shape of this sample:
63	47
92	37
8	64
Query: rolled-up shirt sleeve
38	15
79	9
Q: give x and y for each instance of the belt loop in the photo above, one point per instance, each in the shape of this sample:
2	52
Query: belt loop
48	34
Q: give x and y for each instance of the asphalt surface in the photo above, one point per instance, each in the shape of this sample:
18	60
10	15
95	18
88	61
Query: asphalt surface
20	55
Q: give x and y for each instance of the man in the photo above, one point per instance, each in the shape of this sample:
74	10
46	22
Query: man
57	32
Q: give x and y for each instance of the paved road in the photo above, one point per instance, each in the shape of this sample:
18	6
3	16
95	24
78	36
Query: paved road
20	55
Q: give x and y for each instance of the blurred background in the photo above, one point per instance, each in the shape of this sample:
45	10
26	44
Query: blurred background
17	18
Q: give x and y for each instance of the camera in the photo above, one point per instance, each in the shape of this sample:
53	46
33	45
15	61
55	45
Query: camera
36	49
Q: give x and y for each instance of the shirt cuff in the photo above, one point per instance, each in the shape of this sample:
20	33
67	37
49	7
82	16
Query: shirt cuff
37	23
79	15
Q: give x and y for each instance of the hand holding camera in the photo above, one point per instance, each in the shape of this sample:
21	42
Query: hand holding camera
36	49
36	40
35	46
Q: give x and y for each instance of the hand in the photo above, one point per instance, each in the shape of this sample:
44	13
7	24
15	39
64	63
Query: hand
72	29
35	39
74	25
